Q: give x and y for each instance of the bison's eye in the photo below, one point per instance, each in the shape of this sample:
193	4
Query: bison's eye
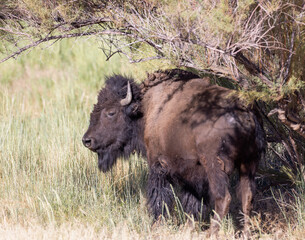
110	113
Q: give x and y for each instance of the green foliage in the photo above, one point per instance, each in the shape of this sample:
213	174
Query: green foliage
221	18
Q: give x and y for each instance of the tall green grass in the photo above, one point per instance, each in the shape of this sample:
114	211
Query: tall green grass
46	174
49	182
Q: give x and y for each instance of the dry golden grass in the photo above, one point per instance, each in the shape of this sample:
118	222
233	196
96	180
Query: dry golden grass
50	187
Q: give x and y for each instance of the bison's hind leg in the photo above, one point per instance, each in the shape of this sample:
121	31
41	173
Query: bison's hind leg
245	192
159	191
218	189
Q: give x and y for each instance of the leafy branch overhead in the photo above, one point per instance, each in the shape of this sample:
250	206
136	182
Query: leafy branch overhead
256	44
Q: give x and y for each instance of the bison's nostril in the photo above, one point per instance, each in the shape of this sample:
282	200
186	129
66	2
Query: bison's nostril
87	142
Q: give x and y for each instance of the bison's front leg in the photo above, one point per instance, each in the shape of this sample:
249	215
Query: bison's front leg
192	205
159	192
222	204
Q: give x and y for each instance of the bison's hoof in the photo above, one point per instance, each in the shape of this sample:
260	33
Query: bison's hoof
214	229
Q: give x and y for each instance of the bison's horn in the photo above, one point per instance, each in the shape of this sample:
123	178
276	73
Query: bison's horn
128	97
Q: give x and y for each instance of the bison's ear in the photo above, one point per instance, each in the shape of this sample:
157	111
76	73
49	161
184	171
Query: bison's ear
134	110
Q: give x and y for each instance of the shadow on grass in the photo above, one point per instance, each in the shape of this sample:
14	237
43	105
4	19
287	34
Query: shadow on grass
275	206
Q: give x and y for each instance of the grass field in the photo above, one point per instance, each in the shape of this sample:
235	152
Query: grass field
50	187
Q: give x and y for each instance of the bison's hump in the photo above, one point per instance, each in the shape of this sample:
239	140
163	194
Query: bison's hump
167	75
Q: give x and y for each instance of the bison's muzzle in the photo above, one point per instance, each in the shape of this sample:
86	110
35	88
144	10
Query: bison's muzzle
87	142
90	142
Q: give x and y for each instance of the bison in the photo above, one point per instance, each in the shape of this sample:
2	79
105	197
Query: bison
193	134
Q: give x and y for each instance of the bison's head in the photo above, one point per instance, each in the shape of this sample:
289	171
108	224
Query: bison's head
113	121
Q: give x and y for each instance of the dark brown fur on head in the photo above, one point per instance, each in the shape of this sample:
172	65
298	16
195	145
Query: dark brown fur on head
113	129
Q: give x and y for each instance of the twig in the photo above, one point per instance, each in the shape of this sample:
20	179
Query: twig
288	62
146	59
50	38
252	68
13	32
296	126
284	160
79	24
111	54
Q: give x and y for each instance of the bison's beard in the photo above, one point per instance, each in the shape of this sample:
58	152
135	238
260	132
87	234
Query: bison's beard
106	159
108	156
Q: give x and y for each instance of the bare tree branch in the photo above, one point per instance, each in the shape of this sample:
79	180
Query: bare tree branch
252	68
16	33
56	37
89	22
295	124
288	62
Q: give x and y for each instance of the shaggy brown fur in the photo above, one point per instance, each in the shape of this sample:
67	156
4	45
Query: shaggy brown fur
193	134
